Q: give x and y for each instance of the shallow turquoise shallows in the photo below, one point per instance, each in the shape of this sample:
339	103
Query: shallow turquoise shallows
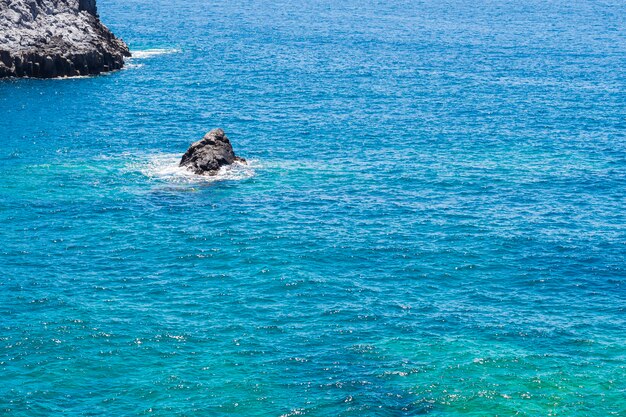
432	222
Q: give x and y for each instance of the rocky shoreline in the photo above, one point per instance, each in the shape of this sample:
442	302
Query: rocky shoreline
56	38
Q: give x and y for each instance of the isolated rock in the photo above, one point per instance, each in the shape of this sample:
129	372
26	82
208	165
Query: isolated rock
208	155
56	38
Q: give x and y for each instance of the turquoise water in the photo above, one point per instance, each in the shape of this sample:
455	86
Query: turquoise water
432	222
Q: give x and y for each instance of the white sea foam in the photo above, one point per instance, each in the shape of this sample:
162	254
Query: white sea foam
131	65
149	53
164	167
74	77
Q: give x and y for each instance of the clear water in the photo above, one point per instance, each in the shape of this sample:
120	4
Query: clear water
432	221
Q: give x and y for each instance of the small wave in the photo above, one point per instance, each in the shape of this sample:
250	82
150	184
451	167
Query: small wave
149	53
131	66
74	77
165	168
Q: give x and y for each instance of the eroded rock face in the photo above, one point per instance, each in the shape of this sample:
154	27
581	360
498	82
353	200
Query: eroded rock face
208	155
56	38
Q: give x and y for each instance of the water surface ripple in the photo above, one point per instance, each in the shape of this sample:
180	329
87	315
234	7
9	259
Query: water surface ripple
432	221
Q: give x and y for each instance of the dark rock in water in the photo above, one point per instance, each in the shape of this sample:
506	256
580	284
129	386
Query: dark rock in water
56	38
209	154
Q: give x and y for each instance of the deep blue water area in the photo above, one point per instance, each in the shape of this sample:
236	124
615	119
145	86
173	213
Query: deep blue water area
432	221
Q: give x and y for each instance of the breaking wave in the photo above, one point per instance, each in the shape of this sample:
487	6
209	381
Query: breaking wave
149	53
164	167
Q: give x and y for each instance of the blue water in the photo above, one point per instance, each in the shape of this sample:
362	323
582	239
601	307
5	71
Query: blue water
432	221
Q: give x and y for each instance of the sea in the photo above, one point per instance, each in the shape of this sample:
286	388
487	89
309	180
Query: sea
432	220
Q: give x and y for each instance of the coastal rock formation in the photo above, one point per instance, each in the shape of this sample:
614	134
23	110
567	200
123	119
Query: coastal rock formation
56	38
207	155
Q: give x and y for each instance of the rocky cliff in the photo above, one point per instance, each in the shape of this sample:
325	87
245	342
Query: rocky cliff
56	38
